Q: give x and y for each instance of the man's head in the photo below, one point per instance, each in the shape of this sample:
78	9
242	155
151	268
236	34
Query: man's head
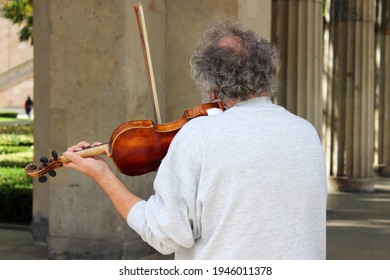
233	63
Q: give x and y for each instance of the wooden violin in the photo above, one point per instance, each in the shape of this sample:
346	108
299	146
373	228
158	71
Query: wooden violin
136	147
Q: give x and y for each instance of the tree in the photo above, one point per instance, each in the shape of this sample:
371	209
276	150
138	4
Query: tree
20	12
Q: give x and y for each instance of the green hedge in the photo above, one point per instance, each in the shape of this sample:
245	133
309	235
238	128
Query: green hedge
11	115
14	128
16	193
13	177
16	150
13	149
15	205
16	139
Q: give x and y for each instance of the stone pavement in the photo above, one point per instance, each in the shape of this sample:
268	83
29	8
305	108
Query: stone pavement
16	243
358	228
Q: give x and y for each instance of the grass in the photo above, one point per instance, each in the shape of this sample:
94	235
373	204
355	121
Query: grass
11	177
2	119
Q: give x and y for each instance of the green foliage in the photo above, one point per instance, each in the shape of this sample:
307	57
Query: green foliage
20	159
15	195
324	8
12	128
12	115
16	139
16	151
15	205
20	12
11	177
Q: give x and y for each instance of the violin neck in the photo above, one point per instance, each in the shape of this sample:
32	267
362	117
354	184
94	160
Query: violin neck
102	149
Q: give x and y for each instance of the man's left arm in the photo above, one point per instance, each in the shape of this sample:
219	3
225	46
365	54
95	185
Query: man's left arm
97	169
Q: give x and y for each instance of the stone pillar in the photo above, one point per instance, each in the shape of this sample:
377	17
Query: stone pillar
89	77
185	22
352	95
383	167
257	16
297	31
41	192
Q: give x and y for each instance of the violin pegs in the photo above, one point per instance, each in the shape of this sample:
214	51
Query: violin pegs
44	160
31	167
52	173
54	154
42	179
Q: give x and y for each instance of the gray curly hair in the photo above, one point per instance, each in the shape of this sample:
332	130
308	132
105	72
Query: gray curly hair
234	63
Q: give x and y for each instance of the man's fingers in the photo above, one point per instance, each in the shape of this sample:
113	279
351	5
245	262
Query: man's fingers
96	144
80	146
73	157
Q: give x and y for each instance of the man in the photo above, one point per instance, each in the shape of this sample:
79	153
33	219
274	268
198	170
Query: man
28	104
249	183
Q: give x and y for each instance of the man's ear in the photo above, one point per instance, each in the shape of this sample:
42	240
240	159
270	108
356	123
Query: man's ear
213	96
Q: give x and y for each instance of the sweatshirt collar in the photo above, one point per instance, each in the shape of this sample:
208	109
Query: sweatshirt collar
255	102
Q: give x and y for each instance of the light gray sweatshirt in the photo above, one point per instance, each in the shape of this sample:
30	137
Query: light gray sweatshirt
249	183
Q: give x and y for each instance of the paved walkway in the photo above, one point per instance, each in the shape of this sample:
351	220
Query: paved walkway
16	243
359	224
358	229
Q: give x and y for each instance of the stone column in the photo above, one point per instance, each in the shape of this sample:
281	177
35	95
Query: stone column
297	31
89	77
257	16
185	22
352	95
383	167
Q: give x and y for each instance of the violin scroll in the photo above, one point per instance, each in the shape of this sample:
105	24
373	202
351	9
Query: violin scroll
47	167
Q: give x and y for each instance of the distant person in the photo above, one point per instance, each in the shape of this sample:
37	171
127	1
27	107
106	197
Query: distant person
28	106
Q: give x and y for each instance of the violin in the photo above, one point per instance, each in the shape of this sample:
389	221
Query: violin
136	147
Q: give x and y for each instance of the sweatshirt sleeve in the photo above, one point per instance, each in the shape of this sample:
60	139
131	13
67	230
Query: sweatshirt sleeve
167	220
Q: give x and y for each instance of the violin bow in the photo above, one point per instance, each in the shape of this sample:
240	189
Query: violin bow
148	61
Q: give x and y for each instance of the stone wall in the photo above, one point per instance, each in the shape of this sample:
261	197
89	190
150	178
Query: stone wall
12	54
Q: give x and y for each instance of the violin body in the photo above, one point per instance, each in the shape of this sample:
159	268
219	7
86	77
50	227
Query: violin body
136	147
